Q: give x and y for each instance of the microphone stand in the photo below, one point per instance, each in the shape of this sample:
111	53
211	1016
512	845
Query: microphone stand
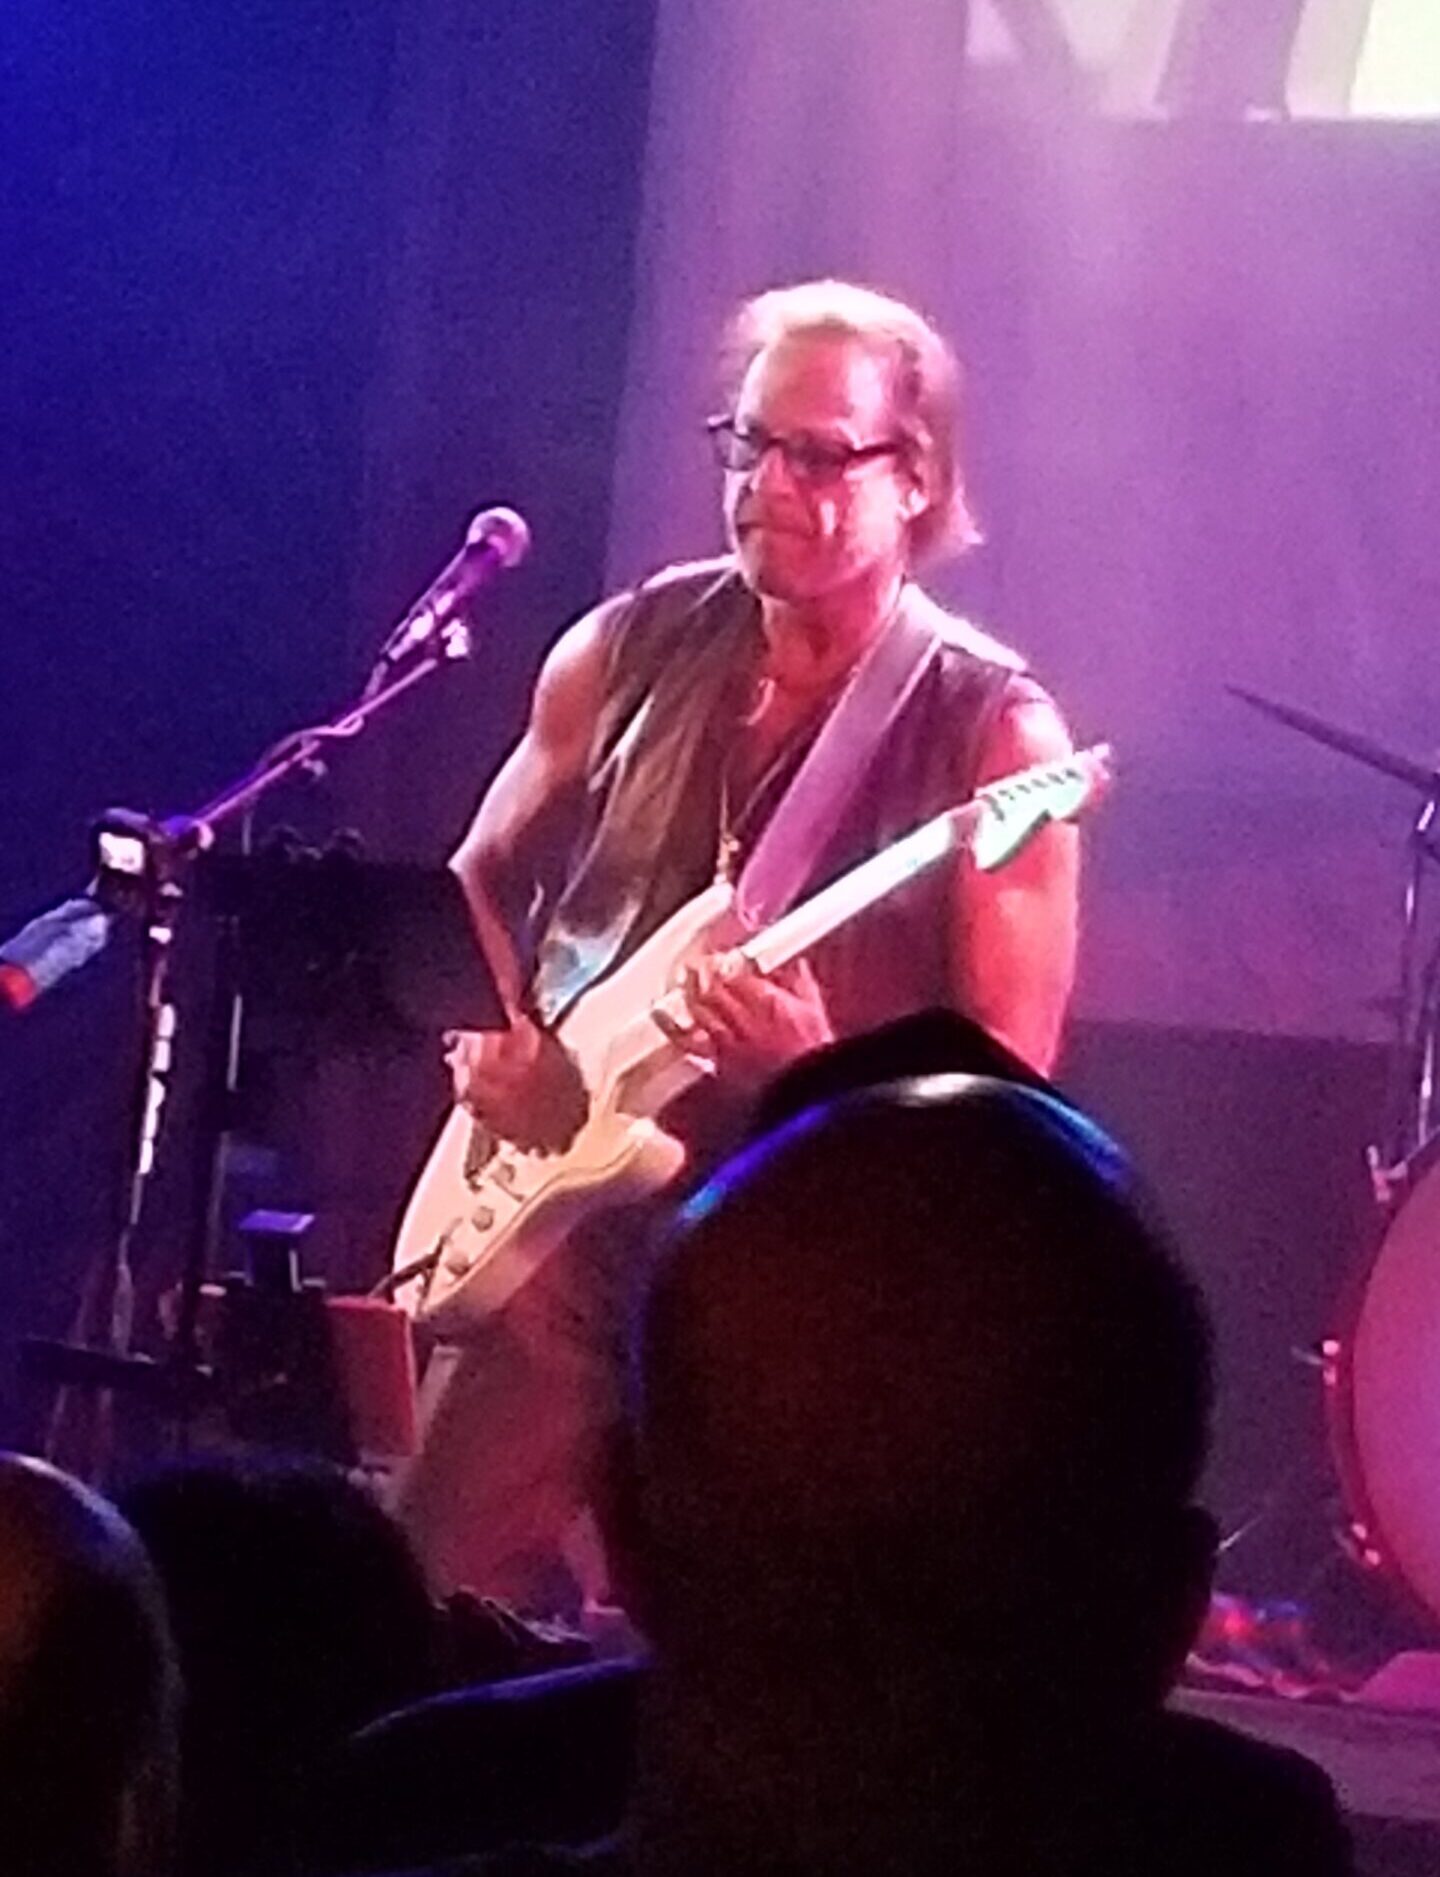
156	890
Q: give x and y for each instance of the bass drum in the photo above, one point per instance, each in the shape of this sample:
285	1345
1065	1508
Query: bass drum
1383	1383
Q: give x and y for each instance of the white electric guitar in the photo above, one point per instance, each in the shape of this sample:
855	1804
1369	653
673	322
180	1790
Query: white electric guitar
484	1215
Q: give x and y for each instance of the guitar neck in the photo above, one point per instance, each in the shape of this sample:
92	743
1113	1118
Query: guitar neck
995	824
796	932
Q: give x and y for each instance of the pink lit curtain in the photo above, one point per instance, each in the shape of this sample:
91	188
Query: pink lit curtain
1203	433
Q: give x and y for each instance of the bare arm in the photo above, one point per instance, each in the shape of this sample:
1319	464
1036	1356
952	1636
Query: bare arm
517	1080
1015	931
548	760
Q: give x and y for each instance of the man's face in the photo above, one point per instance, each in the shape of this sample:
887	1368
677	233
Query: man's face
804	529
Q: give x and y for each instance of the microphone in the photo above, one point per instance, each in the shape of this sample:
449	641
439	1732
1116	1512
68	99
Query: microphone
47	950
496	539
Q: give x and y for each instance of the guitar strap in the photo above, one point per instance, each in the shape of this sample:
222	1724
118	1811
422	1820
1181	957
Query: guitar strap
802	824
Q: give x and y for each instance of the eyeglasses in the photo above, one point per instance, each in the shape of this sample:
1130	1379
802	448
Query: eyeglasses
740	447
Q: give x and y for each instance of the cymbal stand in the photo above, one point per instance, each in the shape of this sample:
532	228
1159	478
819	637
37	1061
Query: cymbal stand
1410	1107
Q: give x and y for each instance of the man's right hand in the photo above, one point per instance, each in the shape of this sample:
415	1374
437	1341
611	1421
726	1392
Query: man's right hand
520	1082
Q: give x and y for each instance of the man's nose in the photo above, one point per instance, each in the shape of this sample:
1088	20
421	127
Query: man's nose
772	469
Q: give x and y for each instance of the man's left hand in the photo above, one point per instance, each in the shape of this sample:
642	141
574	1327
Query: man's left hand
749	1026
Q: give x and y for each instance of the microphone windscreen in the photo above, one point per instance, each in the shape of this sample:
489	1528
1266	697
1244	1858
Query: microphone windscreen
502	533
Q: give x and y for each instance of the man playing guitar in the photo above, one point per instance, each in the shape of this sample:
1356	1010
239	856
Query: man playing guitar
666	725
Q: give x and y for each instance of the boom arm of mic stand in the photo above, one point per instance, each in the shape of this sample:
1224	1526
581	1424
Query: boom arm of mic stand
300	750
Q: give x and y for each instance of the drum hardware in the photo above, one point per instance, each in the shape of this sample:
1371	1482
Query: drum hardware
1380	1369
1410	1118
1265	1647
1252	1521
1287	1496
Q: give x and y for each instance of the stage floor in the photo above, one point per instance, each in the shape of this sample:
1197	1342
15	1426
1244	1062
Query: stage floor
1385	1764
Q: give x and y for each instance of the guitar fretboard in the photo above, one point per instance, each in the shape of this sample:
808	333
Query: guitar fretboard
795	932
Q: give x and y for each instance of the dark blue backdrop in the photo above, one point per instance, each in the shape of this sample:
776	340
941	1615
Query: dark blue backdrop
291	289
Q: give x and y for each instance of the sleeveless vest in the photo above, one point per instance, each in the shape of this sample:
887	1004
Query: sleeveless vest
683	650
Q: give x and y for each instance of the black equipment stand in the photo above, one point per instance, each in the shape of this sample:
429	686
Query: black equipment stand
333	938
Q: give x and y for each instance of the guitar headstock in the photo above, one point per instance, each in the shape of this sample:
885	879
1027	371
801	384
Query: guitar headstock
1017	807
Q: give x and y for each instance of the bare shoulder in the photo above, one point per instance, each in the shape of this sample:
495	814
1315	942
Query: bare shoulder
966	636
579	668
696	574
570	689
1028	728
550	756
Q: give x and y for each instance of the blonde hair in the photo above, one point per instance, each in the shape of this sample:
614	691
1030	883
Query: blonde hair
927	384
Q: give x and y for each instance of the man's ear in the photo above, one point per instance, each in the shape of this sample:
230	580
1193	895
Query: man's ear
1195	1546
1154	1592
918	495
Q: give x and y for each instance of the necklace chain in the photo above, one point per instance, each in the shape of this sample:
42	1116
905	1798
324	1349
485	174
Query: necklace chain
728	841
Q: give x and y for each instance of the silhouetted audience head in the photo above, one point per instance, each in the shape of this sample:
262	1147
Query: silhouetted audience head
300	1615
920	1402
934	1041
88	1686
